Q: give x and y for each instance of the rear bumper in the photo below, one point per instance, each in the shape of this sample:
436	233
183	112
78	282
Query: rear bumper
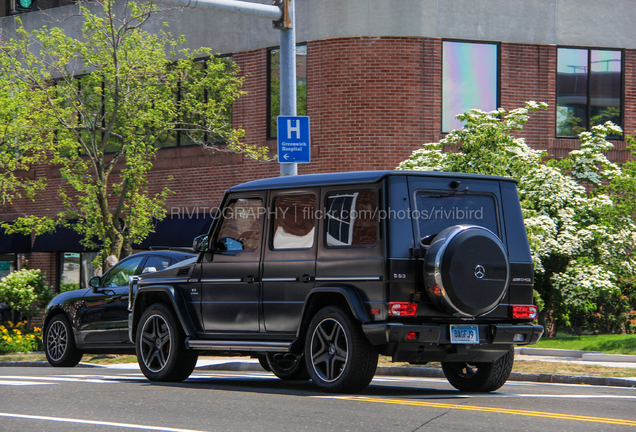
433	341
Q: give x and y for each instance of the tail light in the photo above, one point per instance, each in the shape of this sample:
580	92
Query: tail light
399	309
528	312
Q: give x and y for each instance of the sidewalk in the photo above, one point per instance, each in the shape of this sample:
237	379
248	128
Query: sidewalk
246	364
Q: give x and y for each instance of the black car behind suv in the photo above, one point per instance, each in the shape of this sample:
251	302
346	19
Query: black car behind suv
95	320
316	275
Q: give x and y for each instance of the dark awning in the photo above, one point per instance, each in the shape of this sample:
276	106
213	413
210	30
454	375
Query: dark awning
177	231
14	243
64	239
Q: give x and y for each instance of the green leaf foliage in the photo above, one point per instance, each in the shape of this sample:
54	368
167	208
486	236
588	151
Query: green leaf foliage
23	289
98	106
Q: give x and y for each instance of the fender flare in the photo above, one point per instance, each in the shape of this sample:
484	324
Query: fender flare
177	301
350	294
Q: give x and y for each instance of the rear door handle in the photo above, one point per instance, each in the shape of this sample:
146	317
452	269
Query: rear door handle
305	278
249	279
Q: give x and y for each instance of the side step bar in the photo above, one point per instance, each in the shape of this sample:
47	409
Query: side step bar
238	345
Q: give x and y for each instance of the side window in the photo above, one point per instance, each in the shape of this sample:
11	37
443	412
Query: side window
242	227
118	275
351	219
158	263
294	221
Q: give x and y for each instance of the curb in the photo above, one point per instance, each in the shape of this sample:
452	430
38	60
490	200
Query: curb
597	356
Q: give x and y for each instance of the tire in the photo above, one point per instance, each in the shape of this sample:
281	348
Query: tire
339	357
287	366
160	346
262	360
59	343
480	377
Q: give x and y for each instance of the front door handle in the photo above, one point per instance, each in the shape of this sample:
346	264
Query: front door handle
305	278
249	279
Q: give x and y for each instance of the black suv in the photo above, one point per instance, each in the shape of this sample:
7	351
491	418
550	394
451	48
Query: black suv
316	275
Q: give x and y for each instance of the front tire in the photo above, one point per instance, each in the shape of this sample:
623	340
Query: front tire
480	377
160	346
338	355
59	343
288	367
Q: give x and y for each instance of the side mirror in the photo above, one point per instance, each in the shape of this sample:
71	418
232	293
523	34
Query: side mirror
149	270
201	243
95	283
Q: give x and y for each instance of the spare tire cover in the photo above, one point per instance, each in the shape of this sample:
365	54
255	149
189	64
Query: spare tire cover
466	270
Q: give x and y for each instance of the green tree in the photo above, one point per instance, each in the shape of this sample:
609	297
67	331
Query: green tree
24	291
17	152
581	257
100	103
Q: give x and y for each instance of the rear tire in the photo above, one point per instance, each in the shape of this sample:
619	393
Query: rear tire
160	346
287	366
480	377
338	355
59	343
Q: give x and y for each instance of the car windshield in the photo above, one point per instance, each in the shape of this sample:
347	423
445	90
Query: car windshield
118	275
437	211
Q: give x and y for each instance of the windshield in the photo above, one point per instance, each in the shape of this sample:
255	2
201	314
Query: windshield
436	211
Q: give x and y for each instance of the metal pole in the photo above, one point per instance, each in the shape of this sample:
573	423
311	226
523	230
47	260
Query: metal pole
288	77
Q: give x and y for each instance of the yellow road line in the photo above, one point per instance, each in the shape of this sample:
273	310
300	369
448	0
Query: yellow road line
560	416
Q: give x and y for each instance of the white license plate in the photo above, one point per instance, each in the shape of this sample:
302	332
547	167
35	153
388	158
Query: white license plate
464	334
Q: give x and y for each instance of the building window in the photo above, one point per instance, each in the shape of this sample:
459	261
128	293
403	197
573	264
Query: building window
351	219
76	269
181	137
7	264
470	79
589	89
294	221
273	84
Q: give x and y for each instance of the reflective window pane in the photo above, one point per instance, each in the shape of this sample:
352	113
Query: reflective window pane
69	271
294	221
351	219
605	87
469	80
571	91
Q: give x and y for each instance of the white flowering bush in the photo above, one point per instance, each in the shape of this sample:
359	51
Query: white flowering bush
583	248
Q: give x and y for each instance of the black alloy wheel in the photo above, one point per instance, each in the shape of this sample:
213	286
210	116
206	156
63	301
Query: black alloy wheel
160	346
288	366
339	357
59	343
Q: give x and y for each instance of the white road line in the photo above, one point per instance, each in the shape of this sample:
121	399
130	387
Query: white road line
22	383
46	378
97	423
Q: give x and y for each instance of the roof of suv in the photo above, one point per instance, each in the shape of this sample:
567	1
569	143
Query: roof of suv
309	180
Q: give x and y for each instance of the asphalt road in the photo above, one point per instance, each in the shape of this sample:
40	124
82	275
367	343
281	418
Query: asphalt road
80	399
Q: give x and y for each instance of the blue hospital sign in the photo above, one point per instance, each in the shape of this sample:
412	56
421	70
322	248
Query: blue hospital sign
293	139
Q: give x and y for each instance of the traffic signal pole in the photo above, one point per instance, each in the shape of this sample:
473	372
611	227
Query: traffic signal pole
283	15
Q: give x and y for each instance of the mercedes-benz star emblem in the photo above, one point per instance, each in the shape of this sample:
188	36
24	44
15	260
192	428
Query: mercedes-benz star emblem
480	272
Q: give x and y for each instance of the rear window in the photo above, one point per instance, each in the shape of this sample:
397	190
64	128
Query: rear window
436	211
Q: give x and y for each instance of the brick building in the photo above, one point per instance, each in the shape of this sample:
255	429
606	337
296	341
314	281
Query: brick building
381	78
